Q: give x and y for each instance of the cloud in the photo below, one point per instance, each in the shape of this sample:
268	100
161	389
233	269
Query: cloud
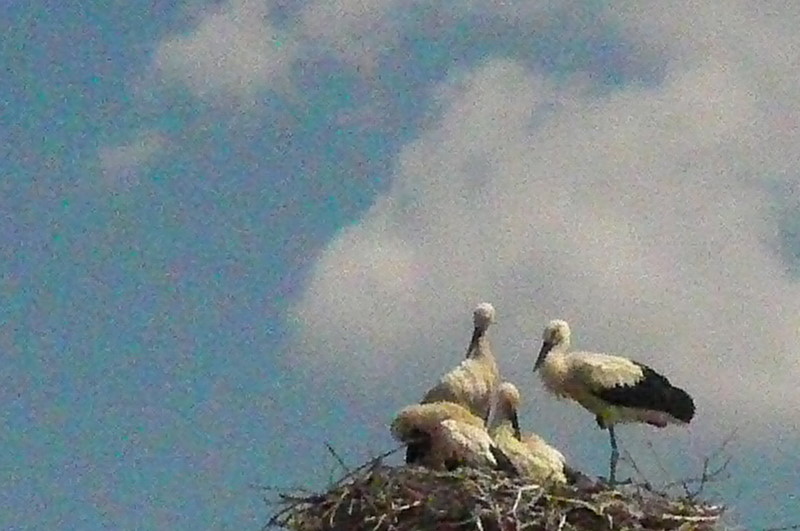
643	216
355	30
360	31
121	165
231	54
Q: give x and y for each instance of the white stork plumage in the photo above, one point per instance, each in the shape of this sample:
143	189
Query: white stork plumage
444	435
530	455
471	384
614	388
456	443
414	424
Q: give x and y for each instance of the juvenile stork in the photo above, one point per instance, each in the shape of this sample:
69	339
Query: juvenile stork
443	435
615	389
530	455
456	443
472	383
413	426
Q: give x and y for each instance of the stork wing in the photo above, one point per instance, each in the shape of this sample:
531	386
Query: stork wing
599	372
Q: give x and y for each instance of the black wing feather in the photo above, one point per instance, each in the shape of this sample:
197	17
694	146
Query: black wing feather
653	391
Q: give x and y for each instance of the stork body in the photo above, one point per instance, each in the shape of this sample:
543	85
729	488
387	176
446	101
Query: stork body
414	424
472	383
444	435
531	457
613	388
455	443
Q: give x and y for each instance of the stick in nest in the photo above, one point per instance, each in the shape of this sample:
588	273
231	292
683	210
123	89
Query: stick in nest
372	463
707	474
519	499
337	457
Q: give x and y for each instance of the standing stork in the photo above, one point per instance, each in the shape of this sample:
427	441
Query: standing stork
471	384
615	389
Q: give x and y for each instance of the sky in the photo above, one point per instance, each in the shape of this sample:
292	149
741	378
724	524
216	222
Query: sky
235	231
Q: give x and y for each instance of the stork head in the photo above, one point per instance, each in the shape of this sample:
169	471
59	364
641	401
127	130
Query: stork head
401	427
483	315
555	333
508	401
407	422
507	393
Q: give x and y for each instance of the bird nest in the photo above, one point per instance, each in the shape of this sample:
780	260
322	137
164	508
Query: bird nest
377	497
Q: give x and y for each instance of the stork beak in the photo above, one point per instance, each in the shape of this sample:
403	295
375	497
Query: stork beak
546	347
515	425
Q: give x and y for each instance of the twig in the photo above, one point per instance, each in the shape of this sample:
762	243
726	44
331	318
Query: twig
708	473
408	506
519	498
579	503
280	490
337	457
332	512
372	463
657	459
628	457
292	503
380	521
276	518
683	518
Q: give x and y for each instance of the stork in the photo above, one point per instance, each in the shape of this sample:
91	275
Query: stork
472	383
443	435
613	388
531	456
413	426
455	443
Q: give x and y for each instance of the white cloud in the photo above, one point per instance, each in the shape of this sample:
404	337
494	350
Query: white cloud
231	55
359	31
641	216
356	30
121	165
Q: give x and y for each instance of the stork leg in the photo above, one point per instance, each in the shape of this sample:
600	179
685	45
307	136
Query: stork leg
612	474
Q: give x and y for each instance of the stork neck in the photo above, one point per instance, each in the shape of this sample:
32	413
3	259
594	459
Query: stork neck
503	414
559	349
478	343
554	371
503	427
